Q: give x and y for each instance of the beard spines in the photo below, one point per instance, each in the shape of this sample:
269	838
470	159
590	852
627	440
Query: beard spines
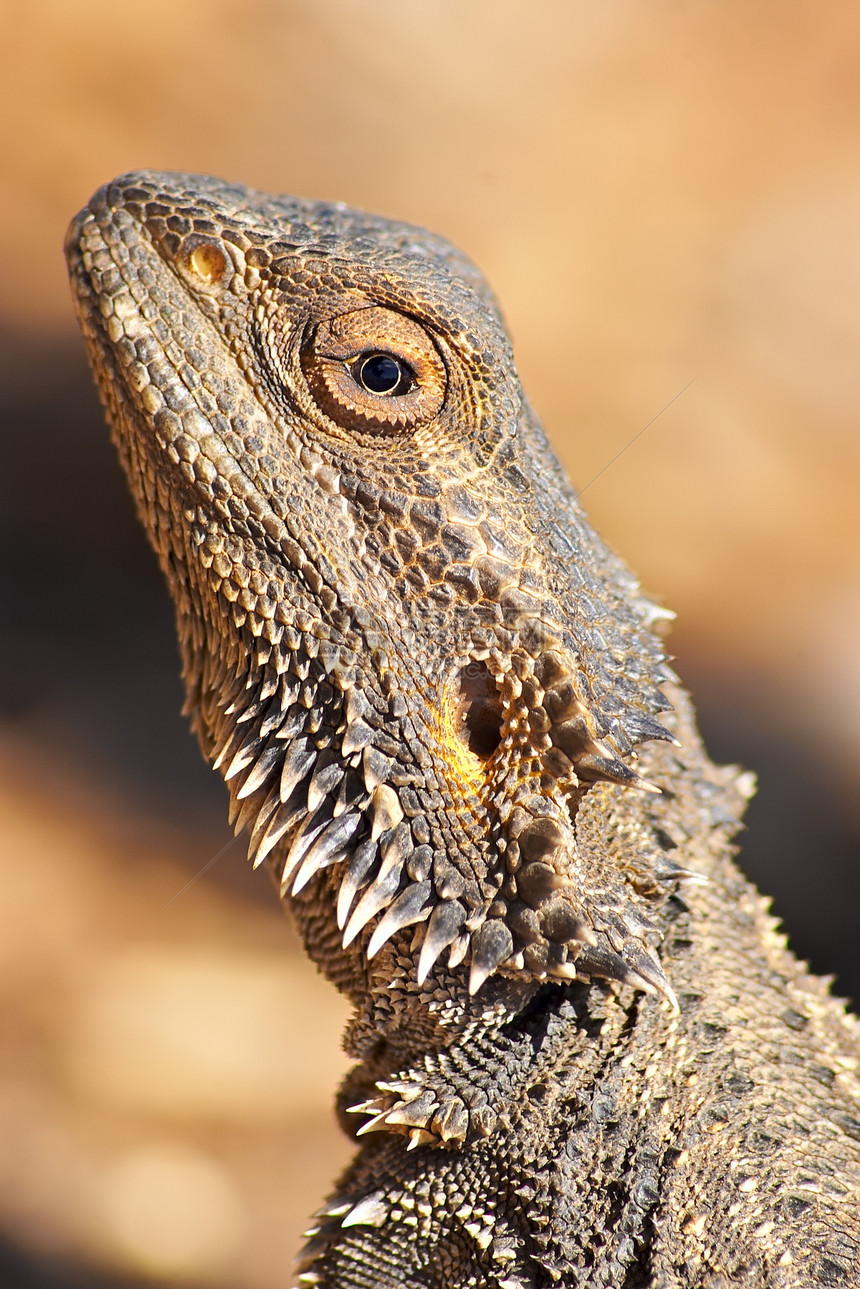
302	759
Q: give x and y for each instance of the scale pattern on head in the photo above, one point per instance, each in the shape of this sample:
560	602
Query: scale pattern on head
406	651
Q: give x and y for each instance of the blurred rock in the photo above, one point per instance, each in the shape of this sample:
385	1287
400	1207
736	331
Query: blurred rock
171	1212
202	1035
167	1064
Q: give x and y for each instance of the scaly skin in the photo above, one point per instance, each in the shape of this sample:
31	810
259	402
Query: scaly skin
585	1056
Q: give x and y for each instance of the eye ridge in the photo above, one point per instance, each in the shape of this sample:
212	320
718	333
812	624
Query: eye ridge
383	375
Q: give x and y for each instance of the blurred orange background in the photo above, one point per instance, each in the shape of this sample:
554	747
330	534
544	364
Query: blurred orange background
660	193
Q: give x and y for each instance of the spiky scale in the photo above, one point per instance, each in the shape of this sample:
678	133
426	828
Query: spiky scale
538	882
643	727
379	1123
304	838
396	844
356	706
378	895
459	949
636	967
492	943
376	767
241	813
261	824
386	808
331	846
300	756
443	928
412	905
351	794
419	1137
360	866
294	721
358	736
245	755
451	1121
284	817
272	719
415	1113
312	1251
228	740
325	778
371	1211
606	767
333	1208
264	767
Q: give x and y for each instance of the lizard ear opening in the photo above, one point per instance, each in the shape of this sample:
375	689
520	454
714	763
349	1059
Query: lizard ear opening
375	370
479	710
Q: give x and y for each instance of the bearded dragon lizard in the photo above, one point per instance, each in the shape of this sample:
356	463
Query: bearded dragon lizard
441	706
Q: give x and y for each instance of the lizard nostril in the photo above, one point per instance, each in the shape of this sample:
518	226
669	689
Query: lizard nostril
208	262
479	712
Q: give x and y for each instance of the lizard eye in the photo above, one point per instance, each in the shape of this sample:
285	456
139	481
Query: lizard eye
375	370
382	374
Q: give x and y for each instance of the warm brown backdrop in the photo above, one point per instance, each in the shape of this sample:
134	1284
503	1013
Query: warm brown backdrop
660	192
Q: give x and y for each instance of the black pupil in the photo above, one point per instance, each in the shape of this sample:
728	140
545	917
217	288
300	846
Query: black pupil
380	374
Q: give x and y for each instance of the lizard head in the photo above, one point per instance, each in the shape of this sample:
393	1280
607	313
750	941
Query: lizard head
411	658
